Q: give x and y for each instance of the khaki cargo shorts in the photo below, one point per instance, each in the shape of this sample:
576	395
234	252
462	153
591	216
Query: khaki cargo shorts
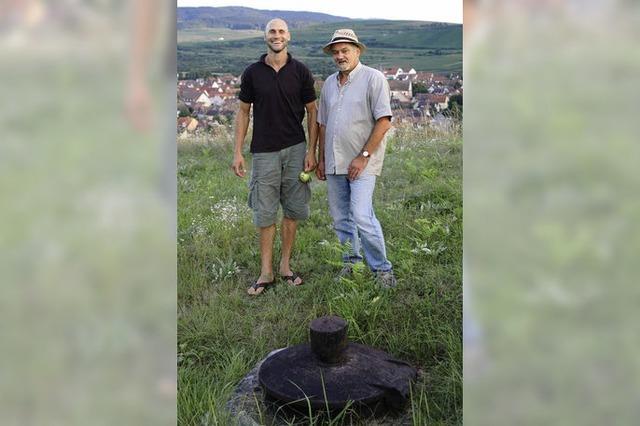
274	181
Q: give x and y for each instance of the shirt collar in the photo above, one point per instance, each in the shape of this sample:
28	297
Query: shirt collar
263	58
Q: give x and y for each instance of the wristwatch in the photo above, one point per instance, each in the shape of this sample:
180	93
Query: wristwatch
365	154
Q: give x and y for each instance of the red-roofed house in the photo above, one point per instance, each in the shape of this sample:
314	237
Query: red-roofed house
392	73
400	89
192	96
426	77
439	102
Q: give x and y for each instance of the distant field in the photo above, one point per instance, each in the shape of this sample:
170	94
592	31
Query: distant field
422	45
396	34
214	34
233	57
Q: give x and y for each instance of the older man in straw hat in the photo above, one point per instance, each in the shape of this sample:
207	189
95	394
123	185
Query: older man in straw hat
354	115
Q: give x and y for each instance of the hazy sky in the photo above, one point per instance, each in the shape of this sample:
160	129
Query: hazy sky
425	10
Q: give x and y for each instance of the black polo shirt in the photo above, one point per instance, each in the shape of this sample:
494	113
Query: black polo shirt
278	100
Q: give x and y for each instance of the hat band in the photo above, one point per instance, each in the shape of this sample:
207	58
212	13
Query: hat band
344	38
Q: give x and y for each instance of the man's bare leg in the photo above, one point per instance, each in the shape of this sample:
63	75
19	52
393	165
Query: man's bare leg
288	231
267	235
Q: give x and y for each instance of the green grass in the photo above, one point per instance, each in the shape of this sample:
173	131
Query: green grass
396	34
222	332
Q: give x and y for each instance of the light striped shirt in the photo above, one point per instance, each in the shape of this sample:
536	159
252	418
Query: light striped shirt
349	113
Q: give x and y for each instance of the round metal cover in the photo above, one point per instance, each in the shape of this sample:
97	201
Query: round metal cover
367	376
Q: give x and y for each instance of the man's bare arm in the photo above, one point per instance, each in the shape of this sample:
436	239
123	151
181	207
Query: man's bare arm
312	128
241	128
138	104
382	126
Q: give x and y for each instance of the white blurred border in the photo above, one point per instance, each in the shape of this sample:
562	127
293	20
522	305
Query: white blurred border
550	205
88	235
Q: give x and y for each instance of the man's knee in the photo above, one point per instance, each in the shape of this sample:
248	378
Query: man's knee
296	213
363	218
264	219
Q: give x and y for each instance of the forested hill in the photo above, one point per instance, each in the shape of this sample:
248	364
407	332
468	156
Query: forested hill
245	18
205	47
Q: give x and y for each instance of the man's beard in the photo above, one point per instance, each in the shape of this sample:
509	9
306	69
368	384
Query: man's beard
343	67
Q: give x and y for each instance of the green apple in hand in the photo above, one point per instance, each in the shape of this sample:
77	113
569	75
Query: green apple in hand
304	177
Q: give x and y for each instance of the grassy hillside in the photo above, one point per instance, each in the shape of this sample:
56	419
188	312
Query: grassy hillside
222	332
422	45
246	18
391	34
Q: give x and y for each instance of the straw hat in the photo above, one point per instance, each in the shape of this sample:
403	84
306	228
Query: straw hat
345	35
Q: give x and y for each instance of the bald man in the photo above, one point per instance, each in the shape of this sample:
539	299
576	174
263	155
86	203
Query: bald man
280	89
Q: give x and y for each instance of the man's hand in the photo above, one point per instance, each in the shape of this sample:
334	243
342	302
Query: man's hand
238	165
309	161
356	167
320	170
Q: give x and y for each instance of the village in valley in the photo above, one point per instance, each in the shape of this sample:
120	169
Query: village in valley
418	98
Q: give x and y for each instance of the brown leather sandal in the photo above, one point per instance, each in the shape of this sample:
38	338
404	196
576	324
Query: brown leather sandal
259	286
291	279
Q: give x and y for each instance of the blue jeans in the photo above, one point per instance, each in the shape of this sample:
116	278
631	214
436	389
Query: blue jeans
351	207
